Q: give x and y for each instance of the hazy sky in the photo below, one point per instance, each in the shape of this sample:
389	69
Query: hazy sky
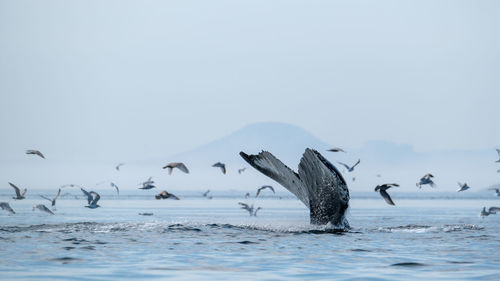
142	78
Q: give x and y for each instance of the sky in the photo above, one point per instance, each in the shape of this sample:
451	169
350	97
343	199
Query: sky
101	80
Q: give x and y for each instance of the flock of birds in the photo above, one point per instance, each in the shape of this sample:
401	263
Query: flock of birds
93	197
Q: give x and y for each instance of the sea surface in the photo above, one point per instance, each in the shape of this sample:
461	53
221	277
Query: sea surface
433	237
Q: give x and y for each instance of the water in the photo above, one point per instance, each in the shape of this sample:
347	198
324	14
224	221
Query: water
196	238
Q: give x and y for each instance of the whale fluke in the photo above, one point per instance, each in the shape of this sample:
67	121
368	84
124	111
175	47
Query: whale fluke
318	184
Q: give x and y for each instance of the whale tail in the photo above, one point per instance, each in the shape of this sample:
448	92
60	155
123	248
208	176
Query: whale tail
318	184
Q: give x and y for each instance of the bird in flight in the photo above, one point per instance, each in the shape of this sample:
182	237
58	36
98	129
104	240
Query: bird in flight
35	152
241	170
220	165
19	195
42	208
463	187
497	191
336	149
262	188
118	166
177	165
92	199
165	195
5	206
52	201
382	189
251	210
112	184
427	179
350	169
205	194
490	211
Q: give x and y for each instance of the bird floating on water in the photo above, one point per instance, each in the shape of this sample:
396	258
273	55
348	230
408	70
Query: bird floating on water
19	194
336	149
118	166
177	165
350	169
42	208
220	165
382	189
165	195
35	152
490	211
5	206
427	179
92	199
262	188
251	210
52	201
463	187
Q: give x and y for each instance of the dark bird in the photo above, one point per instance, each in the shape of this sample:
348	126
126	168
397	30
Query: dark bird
220	165
251	210
92	199
497	191
498	151
205	194
490	211
145	214
241	170
5	206
262	188
247	195
71	185
52	201
35	152
177	165
148	184
336	149
42	208
118	166
427	179
165	195
115	186
382	190
463	187
19	195
350	169
318	184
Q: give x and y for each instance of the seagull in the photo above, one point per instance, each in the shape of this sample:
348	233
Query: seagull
497	191
382	189
498	151
35	152
241	170
53	201
19	195
118	166
148	184
205	194
264	187
177	165
250	209
426	180
222	167
92	198
165	195
350	169
490	211
42	208
247	195
115	186
463	187
336	149
5	206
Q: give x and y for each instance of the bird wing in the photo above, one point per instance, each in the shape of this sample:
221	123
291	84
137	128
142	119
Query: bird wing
45	209
173	196
386	197
116	187
270	166
18	192
244	206
40	154
359	161
46	198
256	210
223	168
345	165
57	195
494	209
498	151
183	168
89	196
6	206
393	184
96	197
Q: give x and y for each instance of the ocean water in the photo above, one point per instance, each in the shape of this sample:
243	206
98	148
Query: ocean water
197	238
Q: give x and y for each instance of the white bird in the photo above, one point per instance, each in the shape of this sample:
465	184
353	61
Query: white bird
92	199
262	188
382	190
426	180
220	165
463	187
5	206
177	165
53	201
350	169
118	166
251	210
19	194
115	186
35	152
42	208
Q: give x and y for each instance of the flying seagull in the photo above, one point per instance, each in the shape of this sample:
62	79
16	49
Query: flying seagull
53	201
497	191
463	187
205	194
148	184
350	169
19	195
71	185
5	206
42	208
427	179
247	195
318	184
251	210
115	186
498	151
92	199
336	149
118	166
382	190
490	211
220	165
165	195
35	152
262	188
177	165
241	170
